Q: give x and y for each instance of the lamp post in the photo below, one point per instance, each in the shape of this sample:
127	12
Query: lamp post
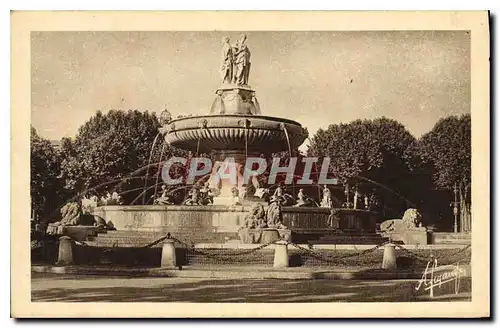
346	192
455	208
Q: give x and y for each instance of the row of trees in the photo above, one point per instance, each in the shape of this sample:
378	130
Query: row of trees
114	152
406	172
111	152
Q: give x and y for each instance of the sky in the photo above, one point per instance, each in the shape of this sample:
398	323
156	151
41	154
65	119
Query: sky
315	78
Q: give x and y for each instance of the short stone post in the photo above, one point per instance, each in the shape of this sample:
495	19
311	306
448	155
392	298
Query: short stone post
65	251
280	254
168	259
389	260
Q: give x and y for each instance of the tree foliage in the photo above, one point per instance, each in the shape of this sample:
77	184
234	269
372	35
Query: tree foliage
377	149
447	148
46	188
111	152
378	155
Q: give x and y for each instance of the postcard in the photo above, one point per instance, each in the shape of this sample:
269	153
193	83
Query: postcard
234	160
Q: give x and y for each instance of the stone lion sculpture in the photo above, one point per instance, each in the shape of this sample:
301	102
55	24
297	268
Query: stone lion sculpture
71	214
412	219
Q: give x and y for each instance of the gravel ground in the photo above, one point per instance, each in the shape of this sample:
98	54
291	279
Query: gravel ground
70	288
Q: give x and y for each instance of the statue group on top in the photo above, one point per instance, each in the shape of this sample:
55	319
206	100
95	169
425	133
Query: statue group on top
235	68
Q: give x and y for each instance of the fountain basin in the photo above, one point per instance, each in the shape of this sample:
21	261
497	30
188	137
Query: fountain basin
227	132
218	224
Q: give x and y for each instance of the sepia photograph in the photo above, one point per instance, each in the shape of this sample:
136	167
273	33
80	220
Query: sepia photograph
239	165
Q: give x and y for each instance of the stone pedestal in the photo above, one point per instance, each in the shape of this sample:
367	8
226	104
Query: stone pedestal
389	260
234	99
227	201
281	255
227	177
168	258
416	236
263	236
65	251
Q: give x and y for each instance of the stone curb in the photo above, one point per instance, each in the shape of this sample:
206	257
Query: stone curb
239	273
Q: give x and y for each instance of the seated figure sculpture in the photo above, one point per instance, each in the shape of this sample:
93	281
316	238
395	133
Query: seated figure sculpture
88	204
164	199
274	216
206	194
235	194
116	199
194	197
303	200
105	199
333	220
256	218
263	226
111	199
280	195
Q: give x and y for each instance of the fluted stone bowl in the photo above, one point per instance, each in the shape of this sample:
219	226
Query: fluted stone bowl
258	134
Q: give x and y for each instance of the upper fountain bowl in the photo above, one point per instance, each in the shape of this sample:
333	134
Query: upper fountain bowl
234	132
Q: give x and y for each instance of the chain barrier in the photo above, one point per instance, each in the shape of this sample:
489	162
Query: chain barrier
224	253
425	259
218	255
157	241
335	259
411	254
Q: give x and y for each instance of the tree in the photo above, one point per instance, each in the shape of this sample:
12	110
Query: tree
46	188
378	154
447	150
111	152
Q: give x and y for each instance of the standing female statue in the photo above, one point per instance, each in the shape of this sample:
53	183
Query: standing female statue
227	62
327	198
242	62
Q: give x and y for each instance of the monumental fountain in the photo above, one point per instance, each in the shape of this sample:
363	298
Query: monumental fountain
234	129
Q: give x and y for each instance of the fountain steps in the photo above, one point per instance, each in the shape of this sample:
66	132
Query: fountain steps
353	240
128	238
451	238
330	236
